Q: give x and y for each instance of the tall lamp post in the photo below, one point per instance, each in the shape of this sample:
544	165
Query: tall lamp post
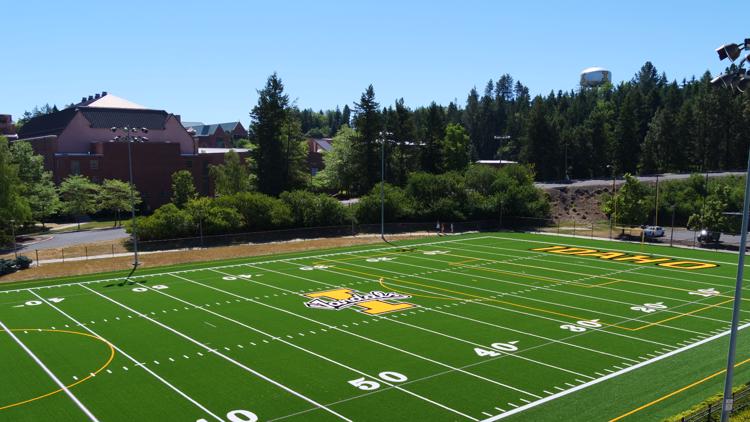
500	147
13	235
737	79
383	139
129	137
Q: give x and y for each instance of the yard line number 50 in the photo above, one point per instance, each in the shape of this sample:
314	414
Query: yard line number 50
238	416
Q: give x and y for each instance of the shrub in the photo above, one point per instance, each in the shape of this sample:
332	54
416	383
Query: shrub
441	196
258	211
23	262
397	205
315	210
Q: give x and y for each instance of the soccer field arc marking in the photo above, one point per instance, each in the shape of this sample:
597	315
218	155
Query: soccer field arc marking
86	378
542	288
54	378
349	368
490	299
129	357
610	376
462	340
355	334
484	303
223	356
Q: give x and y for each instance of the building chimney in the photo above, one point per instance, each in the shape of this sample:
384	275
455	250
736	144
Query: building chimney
83	99
178	117
104	93
91	97
96	96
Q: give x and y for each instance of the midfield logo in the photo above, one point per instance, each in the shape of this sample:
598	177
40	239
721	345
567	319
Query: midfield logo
372	303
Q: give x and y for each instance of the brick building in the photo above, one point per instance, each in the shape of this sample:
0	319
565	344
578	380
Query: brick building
6	124
79	140
315	150
220	135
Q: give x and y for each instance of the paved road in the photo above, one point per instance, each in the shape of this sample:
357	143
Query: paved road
608	182
64	240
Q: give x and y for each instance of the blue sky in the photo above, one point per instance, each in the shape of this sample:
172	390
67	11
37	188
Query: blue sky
205	60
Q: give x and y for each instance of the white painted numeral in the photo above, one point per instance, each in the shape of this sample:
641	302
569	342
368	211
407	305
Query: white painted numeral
649	307
581	326
159	287
368	385
140	289
705	292
391	376
505	347
485	353
381	259
237	416
314	267
33	303
364	384
56	299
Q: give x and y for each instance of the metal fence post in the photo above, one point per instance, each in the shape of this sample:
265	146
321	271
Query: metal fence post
86	252
592	230
62	252
113	250
574	227
37	257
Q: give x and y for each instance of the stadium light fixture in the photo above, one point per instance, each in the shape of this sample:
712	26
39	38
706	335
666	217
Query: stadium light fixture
130	138
731	51
737	78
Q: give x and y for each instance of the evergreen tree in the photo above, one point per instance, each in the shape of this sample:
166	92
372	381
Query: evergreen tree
456	148
367	121
431	157
541	146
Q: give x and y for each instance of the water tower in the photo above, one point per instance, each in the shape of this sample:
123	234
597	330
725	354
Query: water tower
595	76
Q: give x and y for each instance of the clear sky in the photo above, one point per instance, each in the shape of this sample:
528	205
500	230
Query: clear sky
205	60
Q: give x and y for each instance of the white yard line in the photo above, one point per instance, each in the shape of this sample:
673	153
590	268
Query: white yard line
131	358
51	375
277	338
216	352
610	376
549	289
331	327
295	258
632	268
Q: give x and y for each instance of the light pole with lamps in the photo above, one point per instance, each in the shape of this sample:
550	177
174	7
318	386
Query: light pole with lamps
736	79
13	235
500	147
130	139
383	139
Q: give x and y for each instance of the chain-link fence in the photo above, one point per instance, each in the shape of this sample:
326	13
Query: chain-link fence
712	411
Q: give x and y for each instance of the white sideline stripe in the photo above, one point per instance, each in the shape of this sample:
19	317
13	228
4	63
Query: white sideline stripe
610	376
154	374
225	357
309	351
550	289
355	334
242	264
51	375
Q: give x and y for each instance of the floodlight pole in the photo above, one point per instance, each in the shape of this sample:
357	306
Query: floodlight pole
382	187
132	203
727	404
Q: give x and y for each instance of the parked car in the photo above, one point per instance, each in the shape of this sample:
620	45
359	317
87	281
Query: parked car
653	231
708	236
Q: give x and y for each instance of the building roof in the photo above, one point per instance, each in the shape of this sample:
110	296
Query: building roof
110	101
208	130
324	143
47	124
119	117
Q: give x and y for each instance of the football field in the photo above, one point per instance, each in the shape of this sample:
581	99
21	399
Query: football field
477	327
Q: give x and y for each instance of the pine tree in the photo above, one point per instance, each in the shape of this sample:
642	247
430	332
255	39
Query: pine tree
431	152
367	121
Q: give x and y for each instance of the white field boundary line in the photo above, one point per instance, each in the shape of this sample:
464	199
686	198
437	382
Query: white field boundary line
295	258
616	250
417	327
278	338
131	358
331	327
498	293
552	289
610	376
559	321
51	375
221	355
536	255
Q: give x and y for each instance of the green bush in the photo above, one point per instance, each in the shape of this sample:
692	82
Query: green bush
438	196
258	211
397	205
315	210
23	262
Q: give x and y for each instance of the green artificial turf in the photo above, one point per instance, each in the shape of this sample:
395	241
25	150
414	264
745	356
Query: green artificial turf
493	330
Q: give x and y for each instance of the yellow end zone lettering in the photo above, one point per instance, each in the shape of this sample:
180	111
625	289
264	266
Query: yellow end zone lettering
624	257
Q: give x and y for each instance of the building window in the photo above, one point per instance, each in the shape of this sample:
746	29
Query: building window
94	164
314	170
189	164
75	167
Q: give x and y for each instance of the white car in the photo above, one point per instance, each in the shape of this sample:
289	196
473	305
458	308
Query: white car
653	231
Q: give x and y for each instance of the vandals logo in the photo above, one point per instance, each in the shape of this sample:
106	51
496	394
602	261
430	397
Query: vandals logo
372	303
